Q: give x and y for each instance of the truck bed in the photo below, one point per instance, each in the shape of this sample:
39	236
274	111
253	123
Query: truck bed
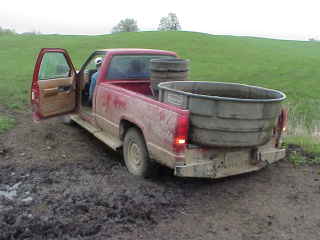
142	86
132	102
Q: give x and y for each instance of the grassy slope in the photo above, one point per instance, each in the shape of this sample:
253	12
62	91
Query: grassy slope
286	65
290	66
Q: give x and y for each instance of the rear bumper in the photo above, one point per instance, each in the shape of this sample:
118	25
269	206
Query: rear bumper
218	163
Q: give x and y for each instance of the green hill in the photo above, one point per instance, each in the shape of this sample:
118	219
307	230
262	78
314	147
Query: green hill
289	66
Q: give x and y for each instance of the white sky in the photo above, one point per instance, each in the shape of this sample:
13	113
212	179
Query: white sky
285	19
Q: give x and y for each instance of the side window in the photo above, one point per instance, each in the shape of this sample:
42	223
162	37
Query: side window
91	65
54	65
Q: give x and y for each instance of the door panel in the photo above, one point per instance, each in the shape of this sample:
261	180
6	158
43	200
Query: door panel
57	96
54	84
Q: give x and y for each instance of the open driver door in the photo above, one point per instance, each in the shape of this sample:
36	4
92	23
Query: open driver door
53	90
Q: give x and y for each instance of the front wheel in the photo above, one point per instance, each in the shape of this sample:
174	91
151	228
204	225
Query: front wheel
136	155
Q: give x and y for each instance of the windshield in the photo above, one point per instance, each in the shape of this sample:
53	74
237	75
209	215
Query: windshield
127	67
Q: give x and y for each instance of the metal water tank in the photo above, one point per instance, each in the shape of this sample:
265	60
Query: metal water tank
225	114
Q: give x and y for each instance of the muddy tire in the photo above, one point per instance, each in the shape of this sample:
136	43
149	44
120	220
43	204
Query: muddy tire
136	154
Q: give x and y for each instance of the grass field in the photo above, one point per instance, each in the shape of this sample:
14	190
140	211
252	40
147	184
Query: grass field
289	66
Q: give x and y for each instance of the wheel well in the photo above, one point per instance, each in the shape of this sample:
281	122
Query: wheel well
125	125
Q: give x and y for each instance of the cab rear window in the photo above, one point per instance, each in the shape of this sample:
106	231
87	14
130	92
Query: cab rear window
127	67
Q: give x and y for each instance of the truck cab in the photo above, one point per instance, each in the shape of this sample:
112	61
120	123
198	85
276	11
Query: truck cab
126	114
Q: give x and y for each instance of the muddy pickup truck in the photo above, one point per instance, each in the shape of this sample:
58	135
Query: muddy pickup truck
126	115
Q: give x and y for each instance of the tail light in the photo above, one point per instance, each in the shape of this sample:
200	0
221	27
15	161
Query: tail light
283	120
181	134
281	126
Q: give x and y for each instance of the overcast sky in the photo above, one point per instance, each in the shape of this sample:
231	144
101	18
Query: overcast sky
284	19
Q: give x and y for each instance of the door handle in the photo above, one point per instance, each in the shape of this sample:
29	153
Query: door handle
60	89
65	88
50	92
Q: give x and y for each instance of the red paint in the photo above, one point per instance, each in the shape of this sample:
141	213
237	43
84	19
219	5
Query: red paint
119	103
142	87
159	122
162	115
114	86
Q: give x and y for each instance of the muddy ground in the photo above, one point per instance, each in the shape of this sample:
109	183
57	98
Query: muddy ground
59	182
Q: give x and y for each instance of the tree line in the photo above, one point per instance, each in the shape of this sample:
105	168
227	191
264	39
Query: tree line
6	31
168	23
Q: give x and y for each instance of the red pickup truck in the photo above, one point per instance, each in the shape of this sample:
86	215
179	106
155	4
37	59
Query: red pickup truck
126	116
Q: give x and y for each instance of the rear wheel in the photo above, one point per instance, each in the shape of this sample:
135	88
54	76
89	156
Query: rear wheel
136	154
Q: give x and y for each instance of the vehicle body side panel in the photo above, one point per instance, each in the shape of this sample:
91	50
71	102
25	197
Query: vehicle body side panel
156	120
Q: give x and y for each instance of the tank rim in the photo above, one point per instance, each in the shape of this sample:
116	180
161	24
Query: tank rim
162	86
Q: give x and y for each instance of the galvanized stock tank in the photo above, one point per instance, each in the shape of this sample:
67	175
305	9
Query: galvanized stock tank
168	69
225	114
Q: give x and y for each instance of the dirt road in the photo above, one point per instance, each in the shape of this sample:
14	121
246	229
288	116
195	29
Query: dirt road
59	182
